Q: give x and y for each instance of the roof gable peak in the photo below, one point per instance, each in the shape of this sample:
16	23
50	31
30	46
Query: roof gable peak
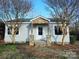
44	18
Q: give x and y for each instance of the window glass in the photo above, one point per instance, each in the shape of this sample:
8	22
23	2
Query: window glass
40	30
9	30
58	30
16	30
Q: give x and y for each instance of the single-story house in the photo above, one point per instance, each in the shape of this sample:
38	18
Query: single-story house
40	27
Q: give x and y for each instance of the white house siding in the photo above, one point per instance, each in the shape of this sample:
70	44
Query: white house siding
22	37
35	32
25	31
58	38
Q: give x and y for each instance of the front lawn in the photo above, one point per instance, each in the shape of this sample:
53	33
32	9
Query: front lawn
23	51
7	47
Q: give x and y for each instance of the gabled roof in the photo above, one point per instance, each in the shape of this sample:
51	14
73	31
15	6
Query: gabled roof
40	20
20	20
28	19
57	20
40	17
36	18
1	21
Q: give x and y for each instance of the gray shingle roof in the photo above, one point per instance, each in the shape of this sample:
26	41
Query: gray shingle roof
21	20
28	20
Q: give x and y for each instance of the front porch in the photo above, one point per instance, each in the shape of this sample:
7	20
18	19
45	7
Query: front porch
40	32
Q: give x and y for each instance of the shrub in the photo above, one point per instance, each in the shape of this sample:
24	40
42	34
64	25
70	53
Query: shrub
63	57
73	39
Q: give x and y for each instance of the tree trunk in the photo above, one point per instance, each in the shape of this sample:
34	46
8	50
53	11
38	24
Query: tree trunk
13	38
13	34
64	30
63	39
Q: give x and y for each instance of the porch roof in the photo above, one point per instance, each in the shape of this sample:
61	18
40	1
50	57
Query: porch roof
39	20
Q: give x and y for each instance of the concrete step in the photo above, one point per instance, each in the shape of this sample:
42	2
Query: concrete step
40	43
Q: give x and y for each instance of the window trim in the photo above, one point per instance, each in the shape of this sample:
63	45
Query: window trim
59	32
10	28
40	30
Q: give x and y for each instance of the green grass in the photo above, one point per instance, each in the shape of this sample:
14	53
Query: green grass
7	47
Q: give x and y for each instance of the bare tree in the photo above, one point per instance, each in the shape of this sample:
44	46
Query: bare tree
65	10
14	10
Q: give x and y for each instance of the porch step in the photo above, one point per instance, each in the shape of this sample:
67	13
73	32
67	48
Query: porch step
40	43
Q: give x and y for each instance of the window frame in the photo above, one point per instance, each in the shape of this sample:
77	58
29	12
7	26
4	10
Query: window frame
58	30
9	30
40	30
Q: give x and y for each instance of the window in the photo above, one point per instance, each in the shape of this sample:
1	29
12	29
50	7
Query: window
40	30
16	30
58	30
9	30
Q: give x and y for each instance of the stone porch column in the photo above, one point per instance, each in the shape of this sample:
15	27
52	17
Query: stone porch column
48	40
31	42
48	36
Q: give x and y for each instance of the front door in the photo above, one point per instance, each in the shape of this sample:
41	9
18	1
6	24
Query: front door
40	32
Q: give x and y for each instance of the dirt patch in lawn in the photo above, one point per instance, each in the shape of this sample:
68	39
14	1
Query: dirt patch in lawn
53	52
23	51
